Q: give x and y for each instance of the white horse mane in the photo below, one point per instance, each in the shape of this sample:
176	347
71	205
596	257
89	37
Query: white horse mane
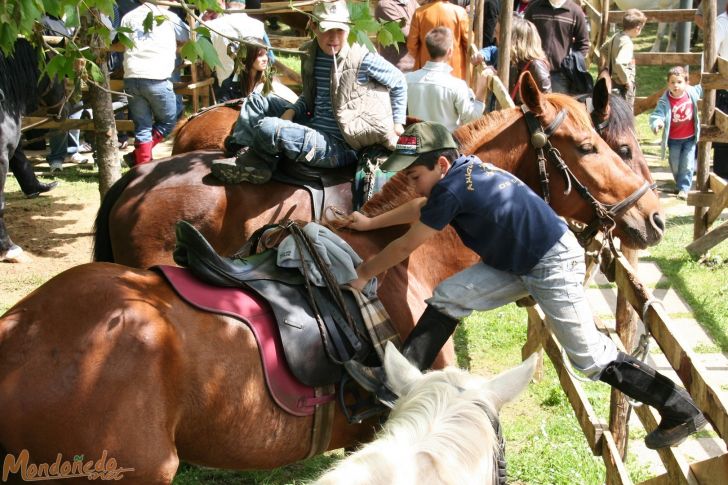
437	433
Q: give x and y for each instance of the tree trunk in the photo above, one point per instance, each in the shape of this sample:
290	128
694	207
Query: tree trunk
106	153
105	141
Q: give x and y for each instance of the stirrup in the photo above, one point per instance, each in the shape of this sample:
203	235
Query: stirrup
363	408
366	377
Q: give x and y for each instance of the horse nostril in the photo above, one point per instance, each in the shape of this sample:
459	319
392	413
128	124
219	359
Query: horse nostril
658	222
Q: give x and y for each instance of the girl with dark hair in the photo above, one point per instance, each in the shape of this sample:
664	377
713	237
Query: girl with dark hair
253	76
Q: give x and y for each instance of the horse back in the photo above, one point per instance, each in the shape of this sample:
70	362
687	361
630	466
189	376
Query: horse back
142	221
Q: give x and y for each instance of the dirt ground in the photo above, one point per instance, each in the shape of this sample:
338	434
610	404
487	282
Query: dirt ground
55	229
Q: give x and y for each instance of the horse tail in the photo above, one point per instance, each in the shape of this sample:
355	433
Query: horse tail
102	234
178	127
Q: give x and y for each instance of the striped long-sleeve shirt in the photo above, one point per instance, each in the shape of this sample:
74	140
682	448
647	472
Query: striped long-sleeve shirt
373	67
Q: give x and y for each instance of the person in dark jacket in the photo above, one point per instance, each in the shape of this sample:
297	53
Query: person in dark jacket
562	27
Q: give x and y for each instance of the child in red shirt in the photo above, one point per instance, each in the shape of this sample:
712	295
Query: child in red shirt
677	113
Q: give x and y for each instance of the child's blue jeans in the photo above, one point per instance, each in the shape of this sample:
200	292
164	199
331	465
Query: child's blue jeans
682	161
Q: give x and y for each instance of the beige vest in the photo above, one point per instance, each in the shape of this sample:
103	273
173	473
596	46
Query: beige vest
363	111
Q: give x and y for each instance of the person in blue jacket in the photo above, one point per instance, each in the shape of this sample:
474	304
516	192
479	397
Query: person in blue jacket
525	248
677	114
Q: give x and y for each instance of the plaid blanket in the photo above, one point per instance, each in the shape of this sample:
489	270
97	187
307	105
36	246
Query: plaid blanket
377	321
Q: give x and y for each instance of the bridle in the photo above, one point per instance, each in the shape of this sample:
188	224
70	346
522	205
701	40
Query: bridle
545	151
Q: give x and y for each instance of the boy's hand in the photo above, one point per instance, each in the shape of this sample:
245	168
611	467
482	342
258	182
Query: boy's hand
658	126
358	283
357	221
398	129
477	58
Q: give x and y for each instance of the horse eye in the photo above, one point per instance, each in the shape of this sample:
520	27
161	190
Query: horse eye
625	153
587	148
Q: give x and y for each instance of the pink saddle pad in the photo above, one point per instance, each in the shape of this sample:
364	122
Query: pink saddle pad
255	312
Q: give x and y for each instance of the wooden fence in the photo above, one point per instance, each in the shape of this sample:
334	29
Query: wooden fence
599	436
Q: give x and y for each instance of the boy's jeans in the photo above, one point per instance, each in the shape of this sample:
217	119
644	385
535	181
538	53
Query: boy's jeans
260	128
682	162
556	283
153	105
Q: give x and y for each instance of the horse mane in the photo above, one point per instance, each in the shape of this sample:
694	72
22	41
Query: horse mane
395	192
621	119
436	430
19	79
470	136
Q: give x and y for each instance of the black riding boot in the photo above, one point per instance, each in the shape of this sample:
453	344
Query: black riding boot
680	416
23	171
420	348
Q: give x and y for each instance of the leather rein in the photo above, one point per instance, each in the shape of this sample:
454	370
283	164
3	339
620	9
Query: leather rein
545	151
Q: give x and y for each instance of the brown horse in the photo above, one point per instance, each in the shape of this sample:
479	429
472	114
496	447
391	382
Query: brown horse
611	116
135	224
151	380
136	220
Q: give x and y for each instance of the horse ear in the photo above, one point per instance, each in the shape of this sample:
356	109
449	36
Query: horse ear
507	385
530	94
600	96
400	373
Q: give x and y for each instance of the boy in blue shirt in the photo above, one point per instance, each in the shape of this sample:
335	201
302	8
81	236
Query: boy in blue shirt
525	248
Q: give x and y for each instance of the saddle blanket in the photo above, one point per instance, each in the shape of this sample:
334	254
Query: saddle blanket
292	396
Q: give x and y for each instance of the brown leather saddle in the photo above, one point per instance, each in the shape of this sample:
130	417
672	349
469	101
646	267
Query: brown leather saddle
313	326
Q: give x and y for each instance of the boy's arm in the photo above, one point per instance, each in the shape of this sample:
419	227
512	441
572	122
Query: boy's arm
396	252
657	118
405	214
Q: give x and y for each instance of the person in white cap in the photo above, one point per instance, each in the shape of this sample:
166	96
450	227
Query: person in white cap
352	98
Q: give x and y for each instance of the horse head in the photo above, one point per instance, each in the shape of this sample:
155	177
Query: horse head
607	189
614	121
444	427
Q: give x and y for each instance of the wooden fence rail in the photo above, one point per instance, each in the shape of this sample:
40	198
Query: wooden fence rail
598	436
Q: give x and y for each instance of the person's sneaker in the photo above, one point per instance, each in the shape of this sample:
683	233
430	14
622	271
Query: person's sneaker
682	195
245	167
56	166
42	188
77	158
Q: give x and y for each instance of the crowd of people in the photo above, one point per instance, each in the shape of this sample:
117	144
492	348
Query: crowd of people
549	39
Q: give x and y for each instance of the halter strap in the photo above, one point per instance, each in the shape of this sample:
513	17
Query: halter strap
606	213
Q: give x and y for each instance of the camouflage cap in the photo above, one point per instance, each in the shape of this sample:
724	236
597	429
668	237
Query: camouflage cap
331	15
417	139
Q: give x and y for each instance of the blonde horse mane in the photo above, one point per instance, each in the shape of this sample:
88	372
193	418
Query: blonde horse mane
437	433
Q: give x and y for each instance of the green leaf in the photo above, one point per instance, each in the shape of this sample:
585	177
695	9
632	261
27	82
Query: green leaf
367	25
203	31
95	72
395	29
363	39
359	11
124	40
188	51
53	7
160	19
56	67
148	21
209	55
70	15
384	37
